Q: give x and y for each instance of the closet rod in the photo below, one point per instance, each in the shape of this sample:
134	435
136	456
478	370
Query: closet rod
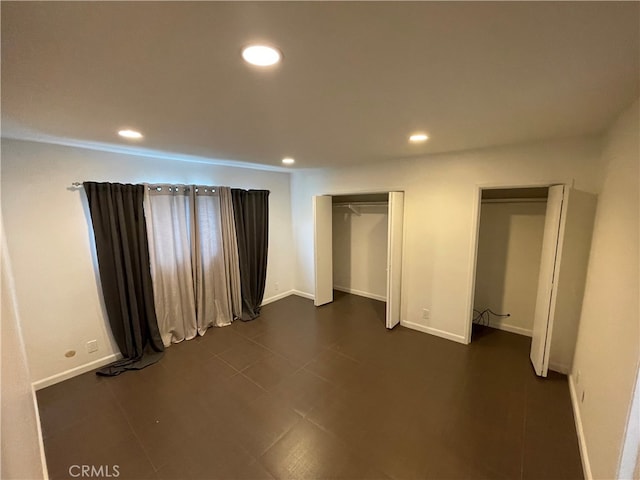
514	200
361	204
355	206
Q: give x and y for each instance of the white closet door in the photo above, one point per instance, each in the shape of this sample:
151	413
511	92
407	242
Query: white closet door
576	229
323	249
541	341
394	257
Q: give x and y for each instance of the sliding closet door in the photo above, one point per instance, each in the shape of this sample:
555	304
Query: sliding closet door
394	257
323	249
542	329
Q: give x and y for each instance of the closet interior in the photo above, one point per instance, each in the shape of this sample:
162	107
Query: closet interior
508	258
360	231
358	248
532	254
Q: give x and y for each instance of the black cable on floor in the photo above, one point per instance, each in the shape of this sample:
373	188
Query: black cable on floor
484	317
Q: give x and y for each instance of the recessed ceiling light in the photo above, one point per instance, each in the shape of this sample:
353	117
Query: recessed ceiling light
130	134
418	138
261	55
288	161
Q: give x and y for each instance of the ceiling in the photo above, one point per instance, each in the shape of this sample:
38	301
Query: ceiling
356	79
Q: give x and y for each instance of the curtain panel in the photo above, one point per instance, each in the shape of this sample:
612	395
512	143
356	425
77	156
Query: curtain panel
251	215
230	250
196	277
118	220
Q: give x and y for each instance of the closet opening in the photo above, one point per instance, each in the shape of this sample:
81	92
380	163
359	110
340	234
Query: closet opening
358	250
532	252
360	244
509	250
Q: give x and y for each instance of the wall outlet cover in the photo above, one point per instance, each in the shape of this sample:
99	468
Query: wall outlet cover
92	346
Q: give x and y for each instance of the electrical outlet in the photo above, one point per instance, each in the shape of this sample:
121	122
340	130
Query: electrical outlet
426	314
92	346
277	285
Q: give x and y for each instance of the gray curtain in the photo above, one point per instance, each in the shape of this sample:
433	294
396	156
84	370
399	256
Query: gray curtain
192	273
118	220
251	214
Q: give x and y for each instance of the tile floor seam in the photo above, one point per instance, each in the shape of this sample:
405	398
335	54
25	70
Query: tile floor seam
280	437
348	356
238	371
142	446
274	352
345	445
320	376
254	382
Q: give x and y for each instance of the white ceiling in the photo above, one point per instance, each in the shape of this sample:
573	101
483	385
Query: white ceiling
356	79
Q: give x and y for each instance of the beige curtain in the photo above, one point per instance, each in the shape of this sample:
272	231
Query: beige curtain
191	273
230	250
213	305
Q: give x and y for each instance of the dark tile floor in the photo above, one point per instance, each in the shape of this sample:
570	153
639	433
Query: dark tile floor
318	393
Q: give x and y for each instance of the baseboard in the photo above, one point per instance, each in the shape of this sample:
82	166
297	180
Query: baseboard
360	293
74	372
275	298
433	331
560	368
299	293
582	441
511	328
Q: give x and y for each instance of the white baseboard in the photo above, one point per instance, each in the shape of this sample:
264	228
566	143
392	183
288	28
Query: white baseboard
299	293
511	328
433	331
360	293
286	294
275	298
74	372
560	368
582	441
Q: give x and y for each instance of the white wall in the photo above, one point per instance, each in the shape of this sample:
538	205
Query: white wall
360	251
21	452
607	349
441	194
508	264
50	240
